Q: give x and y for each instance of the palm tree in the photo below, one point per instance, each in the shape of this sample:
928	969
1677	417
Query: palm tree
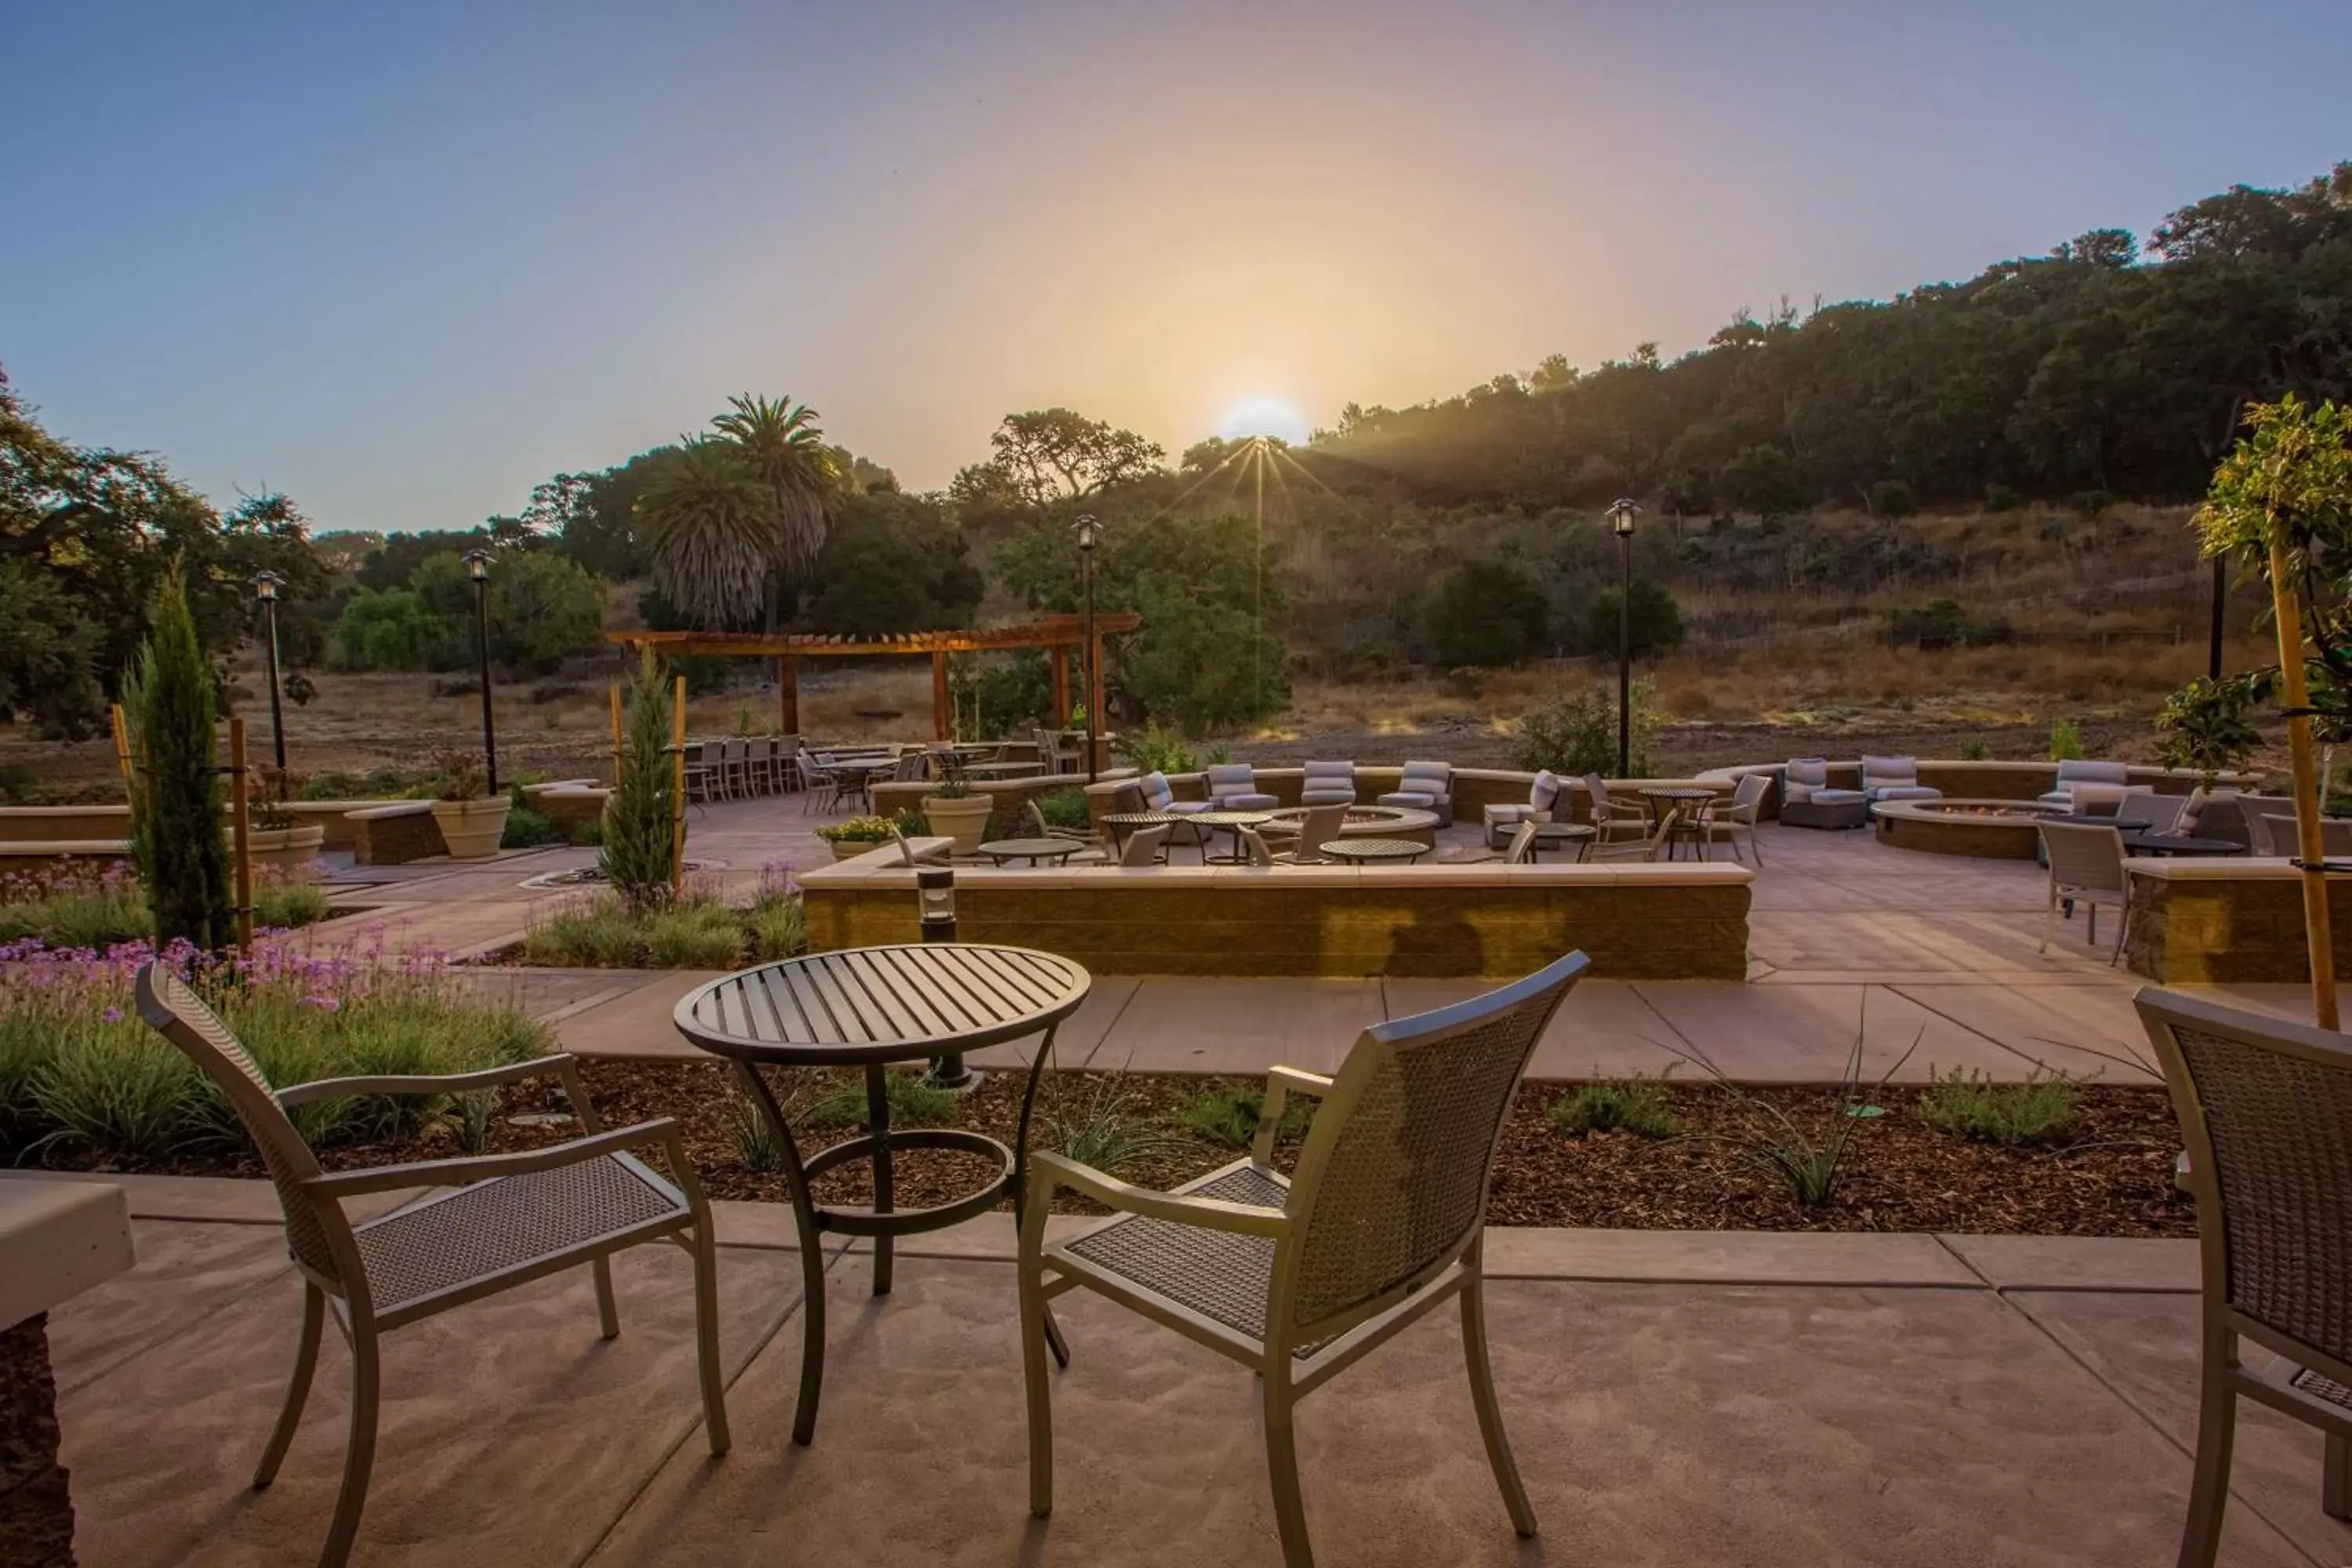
712	532
783	446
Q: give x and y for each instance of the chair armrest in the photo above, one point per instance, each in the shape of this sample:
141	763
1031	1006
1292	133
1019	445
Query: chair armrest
421	1083
1280	1083
1047	1172
341	1184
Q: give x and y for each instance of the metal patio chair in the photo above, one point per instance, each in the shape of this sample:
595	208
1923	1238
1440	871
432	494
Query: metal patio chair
508	1219
1298	1277
2265	1110
2086	867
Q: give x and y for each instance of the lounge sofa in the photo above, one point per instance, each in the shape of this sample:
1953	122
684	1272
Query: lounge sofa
1233	786
1503	820
1327	783
2082	770
1425	786
1894	778
1807	799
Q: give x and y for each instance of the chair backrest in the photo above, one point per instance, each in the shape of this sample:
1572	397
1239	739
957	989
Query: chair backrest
1255	846
2083	770
910	768
1877	772
2162	812
1230	778
1747	795
2098	800
2082	855
1807	773
1391	1183
1427	778
1157	796
1143	846
2265	1110
1662	835
1598	793
1328	775
1522	844
2270	830
1033	821
1321	826
173	1010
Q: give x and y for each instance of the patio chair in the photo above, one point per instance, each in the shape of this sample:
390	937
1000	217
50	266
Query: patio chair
1327	783
1159	795
2162	812
914	766
2106	800
1296	1278
1147	845
1808	799
703	776
2271	829
1613	820
788	762
1425	786
1543	799
2083	770
1895	778
1728	823
2265	1111
821	790
759	764
508	1219
1649	847
1319	826
1254	849
2086	867
1233	786
1523	844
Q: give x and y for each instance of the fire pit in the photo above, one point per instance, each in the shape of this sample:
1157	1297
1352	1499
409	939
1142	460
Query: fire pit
1377	822
1979	829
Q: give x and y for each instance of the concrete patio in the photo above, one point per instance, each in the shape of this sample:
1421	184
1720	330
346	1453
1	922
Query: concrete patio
1733	1398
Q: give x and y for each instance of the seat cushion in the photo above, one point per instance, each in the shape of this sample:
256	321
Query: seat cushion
1410	798
1215	1273
1335	795
1246	801
1894	791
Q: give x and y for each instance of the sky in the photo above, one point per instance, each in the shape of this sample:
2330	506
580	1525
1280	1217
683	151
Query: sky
401	261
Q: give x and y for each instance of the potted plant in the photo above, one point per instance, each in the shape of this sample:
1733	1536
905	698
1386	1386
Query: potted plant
956	809
857	836
275	835
472	820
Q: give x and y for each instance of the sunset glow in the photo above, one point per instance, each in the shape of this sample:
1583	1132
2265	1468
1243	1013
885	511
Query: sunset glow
1265	416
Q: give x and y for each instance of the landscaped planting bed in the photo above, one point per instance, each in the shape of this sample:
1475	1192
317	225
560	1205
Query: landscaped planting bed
2107	1170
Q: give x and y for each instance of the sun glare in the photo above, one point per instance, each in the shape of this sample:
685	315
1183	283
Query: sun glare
1264	417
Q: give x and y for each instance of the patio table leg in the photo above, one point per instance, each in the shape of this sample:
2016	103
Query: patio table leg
1054	1340
812	1240
878	1120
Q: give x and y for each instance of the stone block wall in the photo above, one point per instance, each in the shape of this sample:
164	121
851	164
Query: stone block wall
2217	932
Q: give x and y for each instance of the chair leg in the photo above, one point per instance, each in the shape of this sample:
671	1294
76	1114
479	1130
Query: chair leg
1490	1413
2050	920
1036	1386
608	1312
1282	1470
298	1387
706	1338
2217	1422
2336	1479
359	1456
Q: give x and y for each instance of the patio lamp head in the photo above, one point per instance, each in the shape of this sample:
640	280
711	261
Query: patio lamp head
266	586
935	894
1089	528
478	563
1621	513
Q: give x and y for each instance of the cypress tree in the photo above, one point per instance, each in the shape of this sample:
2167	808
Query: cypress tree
639	816
176	791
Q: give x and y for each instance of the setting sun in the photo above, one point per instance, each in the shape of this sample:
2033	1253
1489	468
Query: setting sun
1264	417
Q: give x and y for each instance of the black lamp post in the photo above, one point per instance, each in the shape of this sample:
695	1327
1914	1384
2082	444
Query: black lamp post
265	588
478	563
1621	513
1090	533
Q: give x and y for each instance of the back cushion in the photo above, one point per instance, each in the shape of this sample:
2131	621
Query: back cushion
1544	793
1156	792
2079	772
1427	778
1813	771
1230	776
1888	768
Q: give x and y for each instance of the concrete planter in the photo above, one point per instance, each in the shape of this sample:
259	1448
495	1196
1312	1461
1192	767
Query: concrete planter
851	848
285	849
963	819
471	829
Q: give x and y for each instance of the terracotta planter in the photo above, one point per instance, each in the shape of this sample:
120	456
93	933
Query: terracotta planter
851	848
472	829
285	849
963	819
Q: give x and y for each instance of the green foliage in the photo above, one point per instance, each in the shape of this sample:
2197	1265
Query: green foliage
525	829
1943	622
2207	725
1631	1105
1226	1112
82	911
1764	480
776	927
1105	1125
733	518
894	563
1155	749
49	653
1050	455
758	1148
391	629
540	607
1576	733
1892	499
1975	749
914	1102
693	934
1000	694
1655	626
175	799
857	830
1810	1164
1066	808
2065	741
1970	1105
639	847
1487	613
699	931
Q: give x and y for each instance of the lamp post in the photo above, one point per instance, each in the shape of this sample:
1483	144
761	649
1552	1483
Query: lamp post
265	588
1621	513
1090	533
477	565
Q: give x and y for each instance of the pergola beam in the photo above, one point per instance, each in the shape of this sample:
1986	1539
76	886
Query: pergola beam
1058	631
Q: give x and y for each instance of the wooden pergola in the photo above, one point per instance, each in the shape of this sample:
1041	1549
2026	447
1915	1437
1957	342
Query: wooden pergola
1057	633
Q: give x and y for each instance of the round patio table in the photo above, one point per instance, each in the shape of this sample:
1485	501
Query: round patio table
2181	843
1234	821
1030	849
1698	802
867	1007
1122	823
1574	836
1368	850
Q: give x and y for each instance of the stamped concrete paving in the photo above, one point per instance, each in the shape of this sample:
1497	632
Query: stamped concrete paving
1748	1399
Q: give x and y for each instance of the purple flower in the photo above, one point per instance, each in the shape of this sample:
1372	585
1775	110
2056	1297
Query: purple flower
111	1016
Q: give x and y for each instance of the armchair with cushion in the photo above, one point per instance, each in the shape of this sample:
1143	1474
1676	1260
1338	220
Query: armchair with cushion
1327	783
1895	778
1808	799
2081	771
1425	786
1543	799
1233	786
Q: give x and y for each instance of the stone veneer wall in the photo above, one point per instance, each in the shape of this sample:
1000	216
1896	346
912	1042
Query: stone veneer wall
2220	931
1636	921
36	1520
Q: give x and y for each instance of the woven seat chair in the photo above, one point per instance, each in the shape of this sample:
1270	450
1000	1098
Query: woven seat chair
1298	1278
1614	820
1739	817
1649	847
1146	846
2087	867
510	1219
2265	1110
704	779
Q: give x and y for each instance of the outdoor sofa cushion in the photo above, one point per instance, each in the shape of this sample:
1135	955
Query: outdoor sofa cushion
1327	783
2081	770
1543	799
1425	786
1895	778
1233	786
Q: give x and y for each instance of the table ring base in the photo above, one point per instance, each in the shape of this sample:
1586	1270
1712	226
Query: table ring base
911	1221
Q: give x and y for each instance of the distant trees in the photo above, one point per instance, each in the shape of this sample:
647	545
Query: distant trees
1654	625
543	608
734	519
1054	454
894	563
1486	613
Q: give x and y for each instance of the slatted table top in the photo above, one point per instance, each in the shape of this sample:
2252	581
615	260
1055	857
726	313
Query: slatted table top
881	1004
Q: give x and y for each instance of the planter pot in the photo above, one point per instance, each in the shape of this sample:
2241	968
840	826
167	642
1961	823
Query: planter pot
963	819
285	849
851	848
471	829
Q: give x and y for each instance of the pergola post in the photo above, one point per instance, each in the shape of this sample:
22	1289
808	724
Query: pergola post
1061	714
788	693
942	724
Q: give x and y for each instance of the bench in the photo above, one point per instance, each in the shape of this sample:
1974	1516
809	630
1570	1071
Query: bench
65	849
395	835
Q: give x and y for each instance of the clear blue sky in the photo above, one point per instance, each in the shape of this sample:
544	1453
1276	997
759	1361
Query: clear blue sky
404	260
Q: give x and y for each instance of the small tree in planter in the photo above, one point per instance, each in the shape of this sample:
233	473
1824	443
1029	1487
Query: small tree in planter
956	809
2282	503
2206	726
640	815
175	782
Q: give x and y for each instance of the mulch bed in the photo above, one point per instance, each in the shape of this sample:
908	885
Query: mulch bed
2111	1177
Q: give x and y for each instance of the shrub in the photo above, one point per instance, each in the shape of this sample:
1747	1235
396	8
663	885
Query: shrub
391	629
1107	1126
1576	734
1487	613
757	1146
1631	1105
1892	499
1066	808
1970	1105
526	829
2206	725
1153	748
858	830
2001	498
593	935
1975	749
1656	624
776	927
285	904
1809	1164
1227	1114
2065	741
692	934
914	1102
639	818
2089	504
175	801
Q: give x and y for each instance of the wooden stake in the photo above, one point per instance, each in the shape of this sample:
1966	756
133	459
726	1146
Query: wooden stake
241	831
677	793
788	694
2295	694
614	692
121	743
